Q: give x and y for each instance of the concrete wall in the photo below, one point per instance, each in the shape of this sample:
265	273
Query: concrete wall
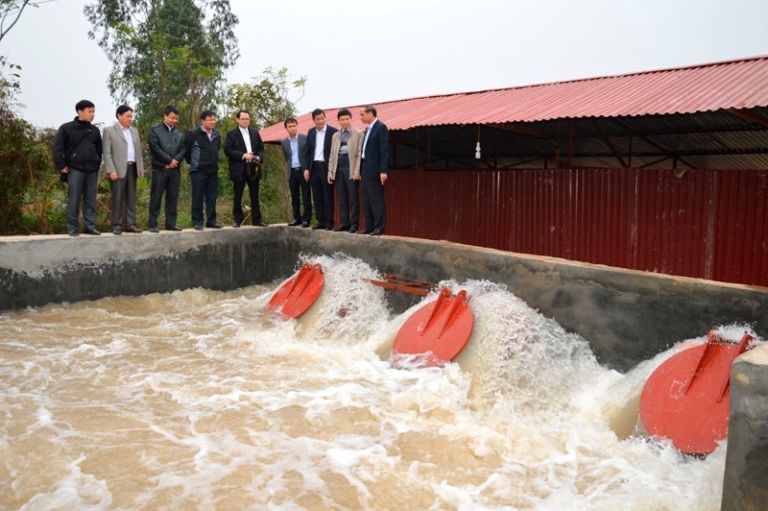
745	486
626	315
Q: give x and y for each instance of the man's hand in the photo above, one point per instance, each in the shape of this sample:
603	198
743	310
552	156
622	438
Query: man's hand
65	170
330	180
306	176
383	178
248	156
113	175
172	165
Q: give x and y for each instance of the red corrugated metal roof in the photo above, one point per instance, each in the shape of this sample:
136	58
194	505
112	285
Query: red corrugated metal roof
733	84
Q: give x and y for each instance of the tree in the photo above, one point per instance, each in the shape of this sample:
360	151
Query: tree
267	98
25	170
166	52
10	12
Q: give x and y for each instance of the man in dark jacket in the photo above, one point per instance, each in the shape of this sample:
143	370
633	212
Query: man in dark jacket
166	145
373	170
318	153
77	155
245	152
202	153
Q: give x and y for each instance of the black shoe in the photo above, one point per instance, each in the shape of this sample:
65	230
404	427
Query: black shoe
235	225
377	232
154	230
260	224
214	226
318	226
133	229
329	227
367	231
341	228
92	231
353	230
73	233
116	230
295	223
172	228
305	224
198	227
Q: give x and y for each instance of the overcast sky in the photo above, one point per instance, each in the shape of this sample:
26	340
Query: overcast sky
371	51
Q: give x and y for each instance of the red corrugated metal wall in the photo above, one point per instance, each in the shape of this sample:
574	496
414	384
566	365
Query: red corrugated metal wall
707	223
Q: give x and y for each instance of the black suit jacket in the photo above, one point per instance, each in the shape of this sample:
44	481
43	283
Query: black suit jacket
376	157
311	140
234	148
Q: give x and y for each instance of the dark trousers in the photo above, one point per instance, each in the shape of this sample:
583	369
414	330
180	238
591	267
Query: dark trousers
237	201
124	199
81	184
349	205
204	185
322	193
374	209
164	182
298	185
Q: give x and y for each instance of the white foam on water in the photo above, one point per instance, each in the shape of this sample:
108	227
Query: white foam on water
350	308
74	490
199	400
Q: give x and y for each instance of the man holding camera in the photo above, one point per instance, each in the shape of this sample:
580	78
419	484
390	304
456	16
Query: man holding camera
245	152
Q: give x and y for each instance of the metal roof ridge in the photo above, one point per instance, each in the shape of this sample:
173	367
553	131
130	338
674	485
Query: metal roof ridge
547	84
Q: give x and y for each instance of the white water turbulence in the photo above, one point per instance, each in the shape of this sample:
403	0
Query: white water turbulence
198	400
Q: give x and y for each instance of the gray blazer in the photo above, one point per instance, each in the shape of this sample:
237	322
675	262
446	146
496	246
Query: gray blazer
304	164
354	145
116	151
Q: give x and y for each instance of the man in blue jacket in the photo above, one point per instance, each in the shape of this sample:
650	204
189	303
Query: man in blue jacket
202	148
295	154
77	155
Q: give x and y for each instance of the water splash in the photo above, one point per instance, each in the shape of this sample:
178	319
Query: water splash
198	399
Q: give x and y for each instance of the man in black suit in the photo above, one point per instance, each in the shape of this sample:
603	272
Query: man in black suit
295	154
245	152
318	154
373	170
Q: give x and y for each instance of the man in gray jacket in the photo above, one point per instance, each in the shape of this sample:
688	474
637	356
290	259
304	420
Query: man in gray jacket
294	152
166	146
124	165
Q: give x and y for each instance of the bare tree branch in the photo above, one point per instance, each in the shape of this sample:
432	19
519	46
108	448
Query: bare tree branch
9	7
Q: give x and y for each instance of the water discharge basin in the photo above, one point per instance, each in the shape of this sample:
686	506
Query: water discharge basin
188	395
199	399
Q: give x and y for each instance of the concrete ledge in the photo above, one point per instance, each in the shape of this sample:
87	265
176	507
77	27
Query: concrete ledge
626	315
745	485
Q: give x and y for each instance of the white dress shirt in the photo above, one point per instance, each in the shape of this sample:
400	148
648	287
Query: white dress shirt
319	145
128	136
247	138
368	134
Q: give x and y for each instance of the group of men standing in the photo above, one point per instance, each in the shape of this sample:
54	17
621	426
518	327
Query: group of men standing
323	163
327	162
79	148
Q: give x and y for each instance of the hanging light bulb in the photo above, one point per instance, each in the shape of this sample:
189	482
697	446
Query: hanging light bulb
477	147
